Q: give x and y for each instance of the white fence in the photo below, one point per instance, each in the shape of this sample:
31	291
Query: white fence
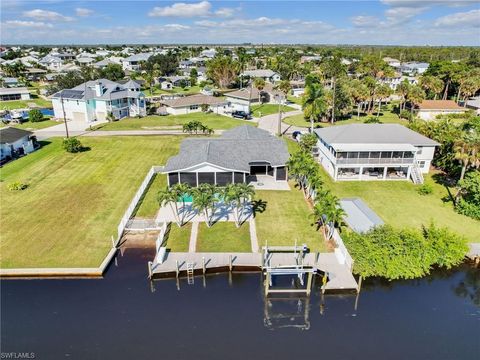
160	250
341	251
133	204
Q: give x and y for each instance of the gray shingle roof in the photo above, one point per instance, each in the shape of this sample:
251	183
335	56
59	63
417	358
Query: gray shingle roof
111	91
234	150
373	134
9	135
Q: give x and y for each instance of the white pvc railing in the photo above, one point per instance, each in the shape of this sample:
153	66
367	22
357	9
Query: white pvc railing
133	204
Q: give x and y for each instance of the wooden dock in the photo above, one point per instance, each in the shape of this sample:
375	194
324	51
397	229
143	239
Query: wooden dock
176	264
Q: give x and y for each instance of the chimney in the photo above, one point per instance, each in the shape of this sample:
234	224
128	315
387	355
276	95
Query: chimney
98	89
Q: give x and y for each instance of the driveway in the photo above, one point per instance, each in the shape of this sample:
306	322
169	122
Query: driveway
270	123
74	128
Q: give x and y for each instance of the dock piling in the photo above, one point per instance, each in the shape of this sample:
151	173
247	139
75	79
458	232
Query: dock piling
149	269
230	262
359	284
177	267
203	265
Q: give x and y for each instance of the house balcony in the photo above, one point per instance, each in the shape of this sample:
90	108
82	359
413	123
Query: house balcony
375	161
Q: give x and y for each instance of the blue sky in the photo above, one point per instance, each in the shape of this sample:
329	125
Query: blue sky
389	22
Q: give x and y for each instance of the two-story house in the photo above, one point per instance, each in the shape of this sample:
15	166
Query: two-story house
374	152
95	100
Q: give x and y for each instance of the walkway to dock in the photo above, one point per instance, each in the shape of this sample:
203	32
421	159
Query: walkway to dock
339	276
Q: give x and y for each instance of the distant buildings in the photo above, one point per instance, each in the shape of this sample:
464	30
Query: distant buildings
265	74
133	62
430	109
15	93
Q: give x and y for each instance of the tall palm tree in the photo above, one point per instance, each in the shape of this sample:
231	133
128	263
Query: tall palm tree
204	201
246	192
467	151
314	103
168	197
259	84
415	96
182	190
383	92
231	194
359	93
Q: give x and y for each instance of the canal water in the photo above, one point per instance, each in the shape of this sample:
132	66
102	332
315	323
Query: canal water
227	317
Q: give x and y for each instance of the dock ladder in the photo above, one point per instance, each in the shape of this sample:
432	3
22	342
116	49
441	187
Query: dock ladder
190	277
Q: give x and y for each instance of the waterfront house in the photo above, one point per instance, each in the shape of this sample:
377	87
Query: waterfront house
430	109
95	100
374	152
241	155
15	93
15	142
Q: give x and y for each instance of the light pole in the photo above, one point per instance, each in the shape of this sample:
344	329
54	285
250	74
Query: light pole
279	129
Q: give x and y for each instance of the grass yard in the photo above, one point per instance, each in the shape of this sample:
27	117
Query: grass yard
23	104
149	206
153	122
176	90
31	126
178	239
74	202
399	204
286	218
386	117
224	236
268	109
295	99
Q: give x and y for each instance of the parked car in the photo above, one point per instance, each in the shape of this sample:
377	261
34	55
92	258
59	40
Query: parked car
241	115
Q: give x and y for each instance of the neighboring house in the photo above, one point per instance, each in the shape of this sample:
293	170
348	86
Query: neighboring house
474	104
243	99
34	74
94	100
9	82
392	62
193	103
239	155
208	53
176	80
18	93
374	152
308	58
207	91
393	82
52	62
64	56
414	68
85	60
429	109
103	63
298	88
185	64
15	142
166	85
265	74
133	62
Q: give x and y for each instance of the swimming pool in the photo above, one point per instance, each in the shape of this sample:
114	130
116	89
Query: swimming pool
188	198
24	114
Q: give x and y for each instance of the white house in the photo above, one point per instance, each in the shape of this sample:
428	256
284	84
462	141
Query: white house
208	53
392	62
430	109
52	62
193	103
474	104
16	93
94	100
133	62
265	74
243	99
414	68
15	142
393	82
374	152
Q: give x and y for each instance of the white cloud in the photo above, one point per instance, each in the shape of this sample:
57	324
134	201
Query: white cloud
39	14
425	3
464	19
26	24
176	27
225	12
365	21
83	12
182	10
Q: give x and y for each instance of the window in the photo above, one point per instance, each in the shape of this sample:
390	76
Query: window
397	154
374	154
421	164
173	178
386	154
419	150
364	155
188	178
238	177
281	173
224	178
193	107
408	155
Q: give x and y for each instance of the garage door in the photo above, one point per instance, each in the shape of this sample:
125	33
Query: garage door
78	116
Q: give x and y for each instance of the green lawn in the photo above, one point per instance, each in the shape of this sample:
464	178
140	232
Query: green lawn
286	218
152	122
176	90
399	204
224	236
149	206
268	109
294	99
178	239
35	125
386	117
74	202
23	104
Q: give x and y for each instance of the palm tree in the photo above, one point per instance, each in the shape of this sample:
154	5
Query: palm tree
284	87
231	194
204	201
431	84
182	190
313	102
467	151
168	197
359	93
246	192
415	96
259	84
383	92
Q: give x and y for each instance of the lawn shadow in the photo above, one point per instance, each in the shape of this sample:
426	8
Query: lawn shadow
447	182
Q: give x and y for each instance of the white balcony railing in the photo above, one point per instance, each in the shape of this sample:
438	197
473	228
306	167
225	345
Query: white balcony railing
375	161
